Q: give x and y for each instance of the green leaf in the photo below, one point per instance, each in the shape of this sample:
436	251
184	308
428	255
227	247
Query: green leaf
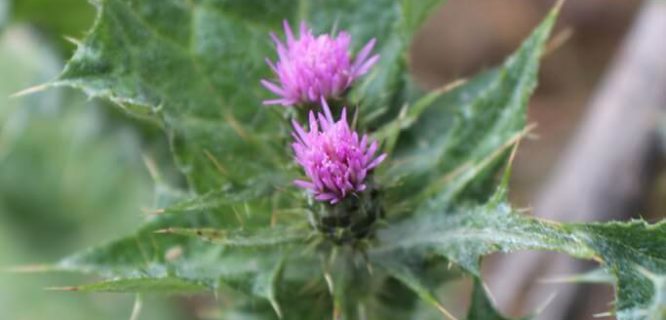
631	251
467	235
634	253
174	250
453	146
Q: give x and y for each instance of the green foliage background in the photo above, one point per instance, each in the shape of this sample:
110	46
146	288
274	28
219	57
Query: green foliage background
56	190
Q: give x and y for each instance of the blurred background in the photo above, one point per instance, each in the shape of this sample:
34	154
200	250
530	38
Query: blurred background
58	194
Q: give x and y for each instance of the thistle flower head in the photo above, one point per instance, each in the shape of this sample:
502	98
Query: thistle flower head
313	67
333	156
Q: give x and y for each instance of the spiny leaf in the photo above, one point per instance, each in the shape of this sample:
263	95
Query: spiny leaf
465	126
473	232
150	255
634	253
627	250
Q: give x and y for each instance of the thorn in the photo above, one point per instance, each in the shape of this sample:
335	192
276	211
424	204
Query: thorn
152	212
73	40
174	253
220	168
31	90
236	126
445	312
557	41
558	5
603	315
647	273
546	303
594	276
451	85
329	281
273	218
162	231
62	288
562	279
150	164
238	217
489	293
276	307
512	157
136	309
28	268
524	210
446	178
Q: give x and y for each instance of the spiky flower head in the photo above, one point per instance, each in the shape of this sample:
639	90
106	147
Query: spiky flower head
313	67
333	156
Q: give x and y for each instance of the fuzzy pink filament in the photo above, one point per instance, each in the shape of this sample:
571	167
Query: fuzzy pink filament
313	67
335	159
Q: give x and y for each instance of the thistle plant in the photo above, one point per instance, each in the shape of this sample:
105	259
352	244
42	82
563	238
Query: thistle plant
288	213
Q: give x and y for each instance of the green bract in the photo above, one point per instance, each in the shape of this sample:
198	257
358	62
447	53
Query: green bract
193	67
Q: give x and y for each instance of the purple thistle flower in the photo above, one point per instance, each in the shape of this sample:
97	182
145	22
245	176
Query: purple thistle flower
332	156
310	68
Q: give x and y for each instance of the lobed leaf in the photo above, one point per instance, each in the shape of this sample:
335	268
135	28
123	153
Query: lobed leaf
631	251
450	139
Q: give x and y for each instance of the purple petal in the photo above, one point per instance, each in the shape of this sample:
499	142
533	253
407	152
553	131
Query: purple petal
283	102
304	184
361	70
287	32
327	110
299	130
363	54
270	64
377	161
272	87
